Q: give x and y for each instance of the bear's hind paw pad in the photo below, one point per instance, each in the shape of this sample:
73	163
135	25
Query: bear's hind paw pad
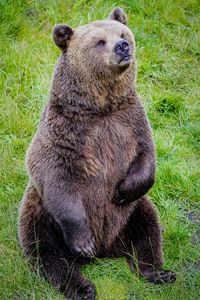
162	277
87	293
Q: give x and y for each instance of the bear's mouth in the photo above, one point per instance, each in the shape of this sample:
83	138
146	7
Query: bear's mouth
125	59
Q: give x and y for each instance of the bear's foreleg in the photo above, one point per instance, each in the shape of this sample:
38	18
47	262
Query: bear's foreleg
140	175
144	234
65	203
138	180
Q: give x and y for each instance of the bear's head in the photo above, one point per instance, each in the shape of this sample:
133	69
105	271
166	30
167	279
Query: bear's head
101	48
98	56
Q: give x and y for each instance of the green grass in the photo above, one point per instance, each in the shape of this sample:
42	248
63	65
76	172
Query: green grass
168	55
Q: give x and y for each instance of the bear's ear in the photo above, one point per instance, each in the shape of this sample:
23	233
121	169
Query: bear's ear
61	35
119	15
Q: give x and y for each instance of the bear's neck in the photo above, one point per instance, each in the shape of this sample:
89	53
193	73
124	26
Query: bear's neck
73	94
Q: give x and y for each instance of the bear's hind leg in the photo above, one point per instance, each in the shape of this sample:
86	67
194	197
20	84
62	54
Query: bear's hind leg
43	244
144	233
64	274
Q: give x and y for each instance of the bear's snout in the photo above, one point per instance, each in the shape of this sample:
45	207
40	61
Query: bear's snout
122	48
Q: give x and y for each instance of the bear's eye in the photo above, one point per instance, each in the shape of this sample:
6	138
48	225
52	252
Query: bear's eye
122	35
101	43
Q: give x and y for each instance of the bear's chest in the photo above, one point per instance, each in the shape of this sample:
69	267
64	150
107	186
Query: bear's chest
109	148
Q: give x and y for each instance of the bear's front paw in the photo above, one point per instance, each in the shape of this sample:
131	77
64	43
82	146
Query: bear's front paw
130	190
118	199
84	247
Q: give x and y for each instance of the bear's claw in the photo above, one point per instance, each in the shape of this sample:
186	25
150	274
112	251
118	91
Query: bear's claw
85	248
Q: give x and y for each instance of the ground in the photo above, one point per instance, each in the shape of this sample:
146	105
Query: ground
168	55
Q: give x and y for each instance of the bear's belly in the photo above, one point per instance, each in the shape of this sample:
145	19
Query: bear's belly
109	152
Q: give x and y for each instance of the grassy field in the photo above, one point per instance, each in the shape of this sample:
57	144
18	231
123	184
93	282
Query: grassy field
168	54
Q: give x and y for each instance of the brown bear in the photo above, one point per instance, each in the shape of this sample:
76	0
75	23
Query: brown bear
91	163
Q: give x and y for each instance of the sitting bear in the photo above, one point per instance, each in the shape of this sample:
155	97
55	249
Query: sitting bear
91	163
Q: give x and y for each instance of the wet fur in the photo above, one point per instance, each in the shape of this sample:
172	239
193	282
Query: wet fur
92	151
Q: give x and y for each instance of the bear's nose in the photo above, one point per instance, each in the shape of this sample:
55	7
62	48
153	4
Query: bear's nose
122	48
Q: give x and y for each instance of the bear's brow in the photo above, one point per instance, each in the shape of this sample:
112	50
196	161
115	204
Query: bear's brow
101	24
101	28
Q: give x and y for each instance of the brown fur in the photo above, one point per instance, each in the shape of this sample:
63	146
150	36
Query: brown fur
90	163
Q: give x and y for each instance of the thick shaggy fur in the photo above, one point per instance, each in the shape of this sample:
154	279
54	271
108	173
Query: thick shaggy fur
90	164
